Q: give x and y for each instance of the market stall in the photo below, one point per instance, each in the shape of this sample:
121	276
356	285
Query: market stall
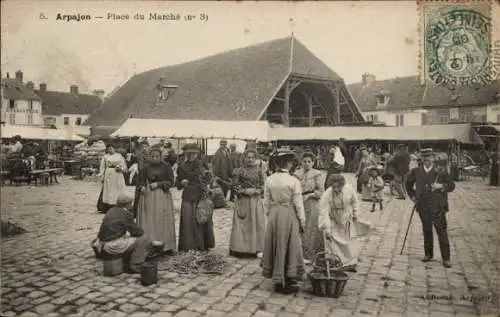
194	129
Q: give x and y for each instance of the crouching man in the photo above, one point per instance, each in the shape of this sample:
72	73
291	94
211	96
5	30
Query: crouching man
120	235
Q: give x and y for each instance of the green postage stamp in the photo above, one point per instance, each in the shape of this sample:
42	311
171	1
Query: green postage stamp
455	43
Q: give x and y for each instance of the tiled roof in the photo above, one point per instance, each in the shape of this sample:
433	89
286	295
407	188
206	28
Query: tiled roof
57	103
233	85
13	89
407	93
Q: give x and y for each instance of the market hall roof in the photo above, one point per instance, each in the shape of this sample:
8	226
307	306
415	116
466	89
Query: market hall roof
407	93
233	85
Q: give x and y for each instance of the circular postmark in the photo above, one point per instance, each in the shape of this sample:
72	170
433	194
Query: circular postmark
457	49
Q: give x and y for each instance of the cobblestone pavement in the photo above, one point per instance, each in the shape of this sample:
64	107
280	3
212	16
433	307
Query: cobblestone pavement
51	270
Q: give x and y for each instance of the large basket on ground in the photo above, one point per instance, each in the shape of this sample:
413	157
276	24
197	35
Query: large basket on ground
327	281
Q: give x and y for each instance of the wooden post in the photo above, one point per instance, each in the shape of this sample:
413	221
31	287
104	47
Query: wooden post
286	107
337	105
310	107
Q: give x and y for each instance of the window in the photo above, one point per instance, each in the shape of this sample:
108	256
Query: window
400	120
12	104
30	105
424	119
12	117
381	99
66	120
30	118
78	121
372	118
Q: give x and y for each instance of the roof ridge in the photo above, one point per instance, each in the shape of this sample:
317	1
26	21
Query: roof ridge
230	51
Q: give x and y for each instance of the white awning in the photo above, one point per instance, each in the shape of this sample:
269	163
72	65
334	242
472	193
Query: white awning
459	132
36	133
194	129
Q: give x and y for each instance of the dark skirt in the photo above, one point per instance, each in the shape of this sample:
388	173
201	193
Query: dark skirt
192	235
102	206
494	176
282	259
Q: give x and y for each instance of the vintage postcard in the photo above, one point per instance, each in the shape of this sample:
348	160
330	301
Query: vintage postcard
250	158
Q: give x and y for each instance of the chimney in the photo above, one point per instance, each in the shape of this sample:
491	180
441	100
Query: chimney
73	89
19	76
43	87
30	85
367	79
99	93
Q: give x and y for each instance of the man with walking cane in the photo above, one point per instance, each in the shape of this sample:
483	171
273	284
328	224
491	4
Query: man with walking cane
428	186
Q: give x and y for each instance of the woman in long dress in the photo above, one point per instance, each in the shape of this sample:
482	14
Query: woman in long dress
312	188
282	259
363	175
338	208
112	168
247	234
155	212
192	177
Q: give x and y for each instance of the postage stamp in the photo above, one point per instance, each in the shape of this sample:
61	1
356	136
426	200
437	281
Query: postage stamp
455	43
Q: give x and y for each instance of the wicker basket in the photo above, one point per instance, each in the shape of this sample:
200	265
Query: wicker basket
329	282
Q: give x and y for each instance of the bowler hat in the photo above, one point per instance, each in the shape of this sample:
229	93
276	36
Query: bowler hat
223	142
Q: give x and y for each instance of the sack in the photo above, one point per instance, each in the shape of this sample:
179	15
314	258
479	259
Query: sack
204	210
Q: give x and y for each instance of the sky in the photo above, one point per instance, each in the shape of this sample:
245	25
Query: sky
352	38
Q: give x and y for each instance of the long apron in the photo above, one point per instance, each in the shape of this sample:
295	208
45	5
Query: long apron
155	214
248	231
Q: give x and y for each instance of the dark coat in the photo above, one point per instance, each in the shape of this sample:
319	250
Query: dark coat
196	174
222	164
401	163
418	183
161	174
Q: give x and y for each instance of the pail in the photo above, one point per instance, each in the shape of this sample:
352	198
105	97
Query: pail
149	273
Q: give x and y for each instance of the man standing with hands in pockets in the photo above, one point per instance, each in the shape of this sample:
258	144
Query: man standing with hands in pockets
428	186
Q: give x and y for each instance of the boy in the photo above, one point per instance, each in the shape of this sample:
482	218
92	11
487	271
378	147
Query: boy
376	185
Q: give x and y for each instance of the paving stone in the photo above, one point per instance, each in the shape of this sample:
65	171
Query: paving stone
187	313
45	308
128	308
215	313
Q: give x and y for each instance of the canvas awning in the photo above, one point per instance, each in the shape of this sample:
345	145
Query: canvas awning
462	133
36	133
194	129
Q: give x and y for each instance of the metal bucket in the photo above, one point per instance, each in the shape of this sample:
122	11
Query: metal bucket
149	273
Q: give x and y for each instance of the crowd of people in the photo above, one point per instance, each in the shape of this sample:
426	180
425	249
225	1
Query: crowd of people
283	211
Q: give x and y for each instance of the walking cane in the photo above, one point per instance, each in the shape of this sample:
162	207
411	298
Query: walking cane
408	229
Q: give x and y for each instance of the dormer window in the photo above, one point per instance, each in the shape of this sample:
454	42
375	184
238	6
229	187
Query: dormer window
382	99
165	92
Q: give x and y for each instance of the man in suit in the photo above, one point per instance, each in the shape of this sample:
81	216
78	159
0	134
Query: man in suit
428	186
222	167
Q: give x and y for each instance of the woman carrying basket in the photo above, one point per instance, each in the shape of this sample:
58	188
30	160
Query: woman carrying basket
338	209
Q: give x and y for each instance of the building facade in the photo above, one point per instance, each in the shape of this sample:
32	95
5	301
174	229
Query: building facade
20	103
405	102
68	110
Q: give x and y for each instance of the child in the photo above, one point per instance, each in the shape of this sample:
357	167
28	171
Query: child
376	185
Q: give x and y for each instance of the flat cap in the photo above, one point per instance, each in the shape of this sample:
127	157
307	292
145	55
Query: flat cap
124	200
